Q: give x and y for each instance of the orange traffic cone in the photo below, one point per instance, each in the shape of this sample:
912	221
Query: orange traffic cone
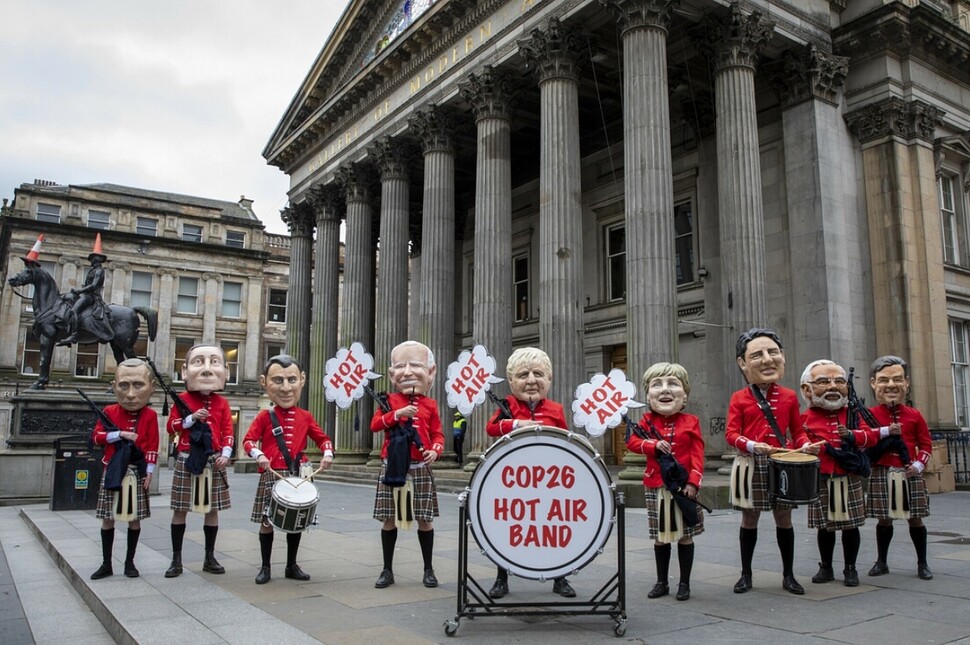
33	255
96	251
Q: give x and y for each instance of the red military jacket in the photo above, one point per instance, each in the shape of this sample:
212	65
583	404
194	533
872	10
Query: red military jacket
144	422
220	420
547	412
916	434
427	423
298	426
746	422
822	425
683	432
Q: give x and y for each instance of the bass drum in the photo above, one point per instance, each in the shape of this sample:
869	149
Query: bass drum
541	503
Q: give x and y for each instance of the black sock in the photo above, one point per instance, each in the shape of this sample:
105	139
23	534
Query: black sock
826	546
132	544
107	543
661	553
918	534
178	532
884	535
503	574
388	540
685	557
210	537
426	540
748	539
851	539
266	548
786	544
292	546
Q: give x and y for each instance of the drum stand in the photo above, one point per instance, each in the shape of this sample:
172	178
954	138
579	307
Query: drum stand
473	600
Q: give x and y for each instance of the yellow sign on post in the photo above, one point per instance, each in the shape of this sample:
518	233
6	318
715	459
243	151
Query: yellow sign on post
81	479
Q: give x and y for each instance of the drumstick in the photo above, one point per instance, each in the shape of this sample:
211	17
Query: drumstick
802	449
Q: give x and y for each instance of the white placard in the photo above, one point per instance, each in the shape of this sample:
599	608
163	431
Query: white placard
470	378
347	374
601	403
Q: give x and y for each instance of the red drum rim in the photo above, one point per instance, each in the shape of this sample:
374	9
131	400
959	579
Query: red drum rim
541	503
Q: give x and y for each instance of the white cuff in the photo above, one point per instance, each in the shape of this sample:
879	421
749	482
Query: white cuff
188	421
883	432
114	436
750	446
328	453
919	466
255	453
150	468
227	452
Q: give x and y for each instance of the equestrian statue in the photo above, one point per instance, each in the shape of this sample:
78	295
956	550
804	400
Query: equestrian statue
80	315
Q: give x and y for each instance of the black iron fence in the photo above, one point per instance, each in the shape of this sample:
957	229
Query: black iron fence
958	449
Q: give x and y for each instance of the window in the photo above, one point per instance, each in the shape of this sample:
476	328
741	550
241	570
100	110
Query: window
236	239
273	349
146	226
232	299
48	213
86	360
182	346
99	219
616	262
684	242
277	305
142	346
960	361
188	296
954	228
141	288
30	363
231	350
191	233
520	286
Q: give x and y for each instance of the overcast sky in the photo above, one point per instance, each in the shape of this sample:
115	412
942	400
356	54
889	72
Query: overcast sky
178	96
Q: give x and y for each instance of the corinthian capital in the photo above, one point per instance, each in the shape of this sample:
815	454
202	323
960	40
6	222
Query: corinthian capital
298	219
434	126
554	51
807	74
326	203
638	14
896	117
489	92
392	157
356	179
734	40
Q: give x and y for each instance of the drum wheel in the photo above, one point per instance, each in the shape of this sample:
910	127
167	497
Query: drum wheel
451	627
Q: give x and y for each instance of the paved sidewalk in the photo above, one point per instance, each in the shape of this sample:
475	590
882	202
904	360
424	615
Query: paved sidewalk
343	554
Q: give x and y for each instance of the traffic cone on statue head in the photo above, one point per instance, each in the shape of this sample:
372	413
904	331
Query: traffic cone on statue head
96	251
33	255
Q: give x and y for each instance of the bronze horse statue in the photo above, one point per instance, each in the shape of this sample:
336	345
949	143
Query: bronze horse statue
51	321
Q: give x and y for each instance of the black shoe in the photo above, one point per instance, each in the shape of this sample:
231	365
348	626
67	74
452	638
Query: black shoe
263	576
825	574
789	584
130	570
103	571
923	571
429	580
562	587
70	340
499	589
386	579
743	584
659	589
211	565
880	568
175	569
851	576
294	572
683	591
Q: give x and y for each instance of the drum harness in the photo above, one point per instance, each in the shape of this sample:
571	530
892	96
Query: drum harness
292	463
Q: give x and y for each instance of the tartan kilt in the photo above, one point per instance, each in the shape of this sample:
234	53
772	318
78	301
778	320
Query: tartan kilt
877	506
818	517
425	495
264	493
182	487
759	488
654	524
106	501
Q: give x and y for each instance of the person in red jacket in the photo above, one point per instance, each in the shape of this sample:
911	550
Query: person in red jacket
283	381
133	385
889	379
411	372
825	389
529	372
204	372
762	361
670	431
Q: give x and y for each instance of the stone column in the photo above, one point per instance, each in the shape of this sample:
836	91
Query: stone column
489	94
902	203
299	220
732	44
815	139
434	126
119	270
210	306
252	364
328	206
356	313
165	340
554	53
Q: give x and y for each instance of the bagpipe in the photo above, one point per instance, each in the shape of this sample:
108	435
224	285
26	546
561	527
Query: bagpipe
503	406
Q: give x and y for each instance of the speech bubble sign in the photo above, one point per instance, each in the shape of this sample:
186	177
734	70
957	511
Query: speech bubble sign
601	403
470	378
347	374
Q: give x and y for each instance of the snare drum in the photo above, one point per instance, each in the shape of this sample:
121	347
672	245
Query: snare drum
793	477
541	503
292	506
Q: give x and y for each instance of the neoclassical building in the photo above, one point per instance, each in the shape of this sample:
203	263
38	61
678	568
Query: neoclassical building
627	181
